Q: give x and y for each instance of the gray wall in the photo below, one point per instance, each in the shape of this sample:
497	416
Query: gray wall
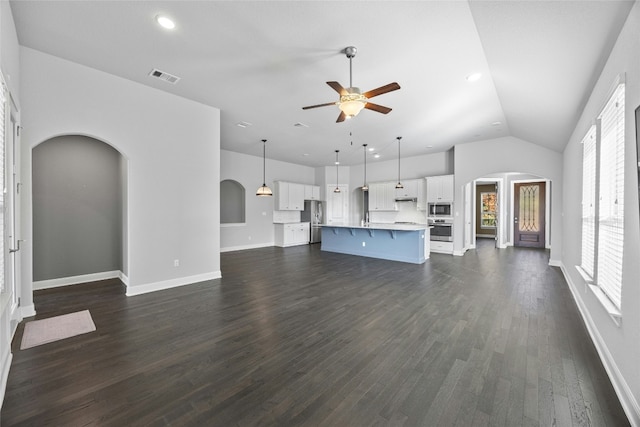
77	208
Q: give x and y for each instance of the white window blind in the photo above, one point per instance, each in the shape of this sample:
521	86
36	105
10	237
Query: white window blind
611	197
3	119
589	202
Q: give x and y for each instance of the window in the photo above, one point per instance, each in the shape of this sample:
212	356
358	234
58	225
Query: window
488	212
589	202
3	120
603	201
232	205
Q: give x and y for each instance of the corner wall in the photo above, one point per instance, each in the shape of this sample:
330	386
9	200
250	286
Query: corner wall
247	170
618	346
509	154
173	150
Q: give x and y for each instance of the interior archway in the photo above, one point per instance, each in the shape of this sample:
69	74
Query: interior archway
79	211
504	230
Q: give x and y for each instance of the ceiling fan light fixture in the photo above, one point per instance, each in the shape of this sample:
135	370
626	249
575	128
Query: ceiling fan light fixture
352	103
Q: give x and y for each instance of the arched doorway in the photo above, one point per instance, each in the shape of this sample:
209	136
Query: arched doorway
504	229
79	188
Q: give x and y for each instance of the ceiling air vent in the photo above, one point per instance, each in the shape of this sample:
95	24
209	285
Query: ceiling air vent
169	78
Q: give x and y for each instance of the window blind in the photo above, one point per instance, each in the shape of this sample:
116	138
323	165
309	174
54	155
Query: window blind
589	202
611	197
3	119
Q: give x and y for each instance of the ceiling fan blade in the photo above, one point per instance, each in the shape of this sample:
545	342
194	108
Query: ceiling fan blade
341	117
375	107
319	105
382	89
338	88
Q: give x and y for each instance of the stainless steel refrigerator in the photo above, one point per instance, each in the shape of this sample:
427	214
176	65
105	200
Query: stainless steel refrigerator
314	214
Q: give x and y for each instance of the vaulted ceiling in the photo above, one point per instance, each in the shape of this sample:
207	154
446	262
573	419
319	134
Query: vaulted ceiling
261	61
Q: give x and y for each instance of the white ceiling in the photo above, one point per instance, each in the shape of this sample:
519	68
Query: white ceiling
261	61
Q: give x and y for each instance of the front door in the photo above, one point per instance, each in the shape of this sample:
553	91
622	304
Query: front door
529	214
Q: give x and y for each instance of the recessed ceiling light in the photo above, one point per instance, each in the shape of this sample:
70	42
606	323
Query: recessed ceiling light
376	155
474	77
243	124
306	154
496	123
429	146
165	22
371	148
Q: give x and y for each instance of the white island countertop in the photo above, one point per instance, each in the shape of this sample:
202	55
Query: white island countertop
382	226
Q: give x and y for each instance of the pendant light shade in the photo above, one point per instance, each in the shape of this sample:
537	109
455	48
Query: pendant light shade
264	190
337	190
365	187
399	184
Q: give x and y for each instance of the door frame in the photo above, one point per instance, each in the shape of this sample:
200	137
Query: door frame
500	240
547	210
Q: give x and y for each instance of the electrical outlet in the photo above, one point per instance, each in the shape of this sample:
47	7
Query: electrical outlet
176	263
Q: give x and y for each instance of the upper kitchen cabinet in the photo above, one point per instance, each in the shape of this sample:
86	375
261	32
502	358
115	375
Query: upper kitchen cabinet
410	189
289	196
440	189
311	192
382	196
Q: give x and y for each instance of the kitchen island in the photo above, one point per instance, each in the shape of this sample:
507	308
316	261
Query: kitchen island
396	242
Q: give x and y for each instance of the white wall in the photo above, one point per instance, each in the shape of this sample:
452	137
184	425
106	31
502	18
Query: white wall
619	346
509	154
247	170
173	150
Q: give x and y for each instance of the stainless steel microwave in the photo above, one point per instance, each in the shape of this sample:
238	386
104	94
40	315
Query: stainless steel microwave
441	209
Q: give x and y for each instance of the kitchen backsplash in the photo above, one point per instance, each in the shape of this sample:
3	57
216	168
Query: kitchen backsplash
283	217
407	212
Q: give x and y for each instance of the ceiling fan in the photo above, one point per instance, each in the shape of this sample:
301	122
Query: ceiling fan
352	100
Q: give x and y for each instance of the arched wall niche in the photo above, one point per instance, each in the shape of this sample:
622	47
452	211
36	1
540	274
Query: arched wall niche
232	202
79	196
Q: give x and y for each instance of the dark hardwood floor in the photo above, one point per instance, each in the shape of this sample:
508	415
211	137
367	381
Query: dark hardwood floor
297	336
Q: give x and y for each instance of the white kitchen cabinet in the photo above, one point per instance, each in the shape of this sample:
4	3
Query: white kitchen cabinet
441	247
289	196
382	196
421	203
291	234
410	188
311	192
440	189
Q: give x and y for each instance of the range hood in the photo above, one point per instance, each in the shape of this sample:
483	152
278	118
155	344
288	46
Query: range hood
406	199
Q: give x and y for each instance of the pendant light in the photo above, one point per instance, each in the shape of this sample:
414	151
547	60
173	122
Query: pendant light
264	190
399	184
365	187
337	190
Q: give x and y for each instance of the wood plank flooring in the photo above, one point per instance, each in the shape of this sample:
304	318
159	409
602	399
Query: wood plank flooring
299	337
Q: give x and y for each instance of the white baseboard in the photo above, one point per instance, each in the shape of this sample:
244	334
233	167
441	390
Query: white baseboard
173	283
123	278
245	247
27	311
74	280
555	263
6	365
623	391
